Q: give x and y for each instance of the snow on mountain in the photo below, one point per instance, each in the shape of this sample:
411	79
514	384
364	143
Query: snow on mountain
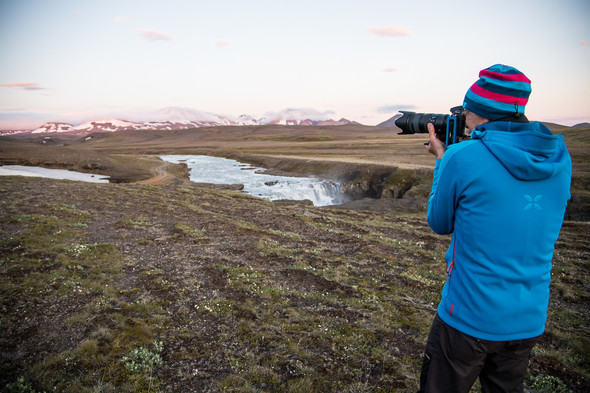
294	116
52	127
248	120
340	122
175	118
107	125
187	115
310	122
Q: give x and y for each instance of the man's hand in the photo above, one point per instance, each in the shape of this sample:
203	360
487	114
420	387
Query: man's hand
435	145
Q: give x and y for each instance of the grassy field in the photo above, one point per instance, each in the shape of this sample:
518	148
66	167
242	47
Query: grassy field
185	288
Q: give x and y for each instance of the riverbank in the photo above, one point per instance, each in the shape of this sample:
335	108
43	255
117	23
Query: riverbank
377	165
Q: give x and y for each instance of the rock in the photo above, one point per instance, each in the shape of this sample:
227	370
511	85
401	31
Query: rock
163	239
307	213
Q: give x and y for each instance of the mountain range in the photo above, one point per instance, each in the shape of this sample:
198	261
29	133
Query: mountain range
174	119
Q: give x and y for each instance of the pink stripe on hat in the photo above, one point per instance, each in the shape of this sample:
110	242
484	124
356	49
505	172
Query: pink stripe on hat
504	77
498	97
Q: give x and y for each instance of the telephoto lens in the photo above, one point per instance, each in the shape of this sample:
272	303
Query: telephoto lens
417	123
448	128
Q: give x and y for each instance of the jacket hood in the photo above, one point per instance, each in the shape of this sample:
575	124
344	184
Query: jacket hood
529	151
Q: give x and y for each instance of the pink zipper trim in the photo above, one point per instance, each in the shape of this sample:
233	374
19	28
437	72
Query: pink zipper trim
452	264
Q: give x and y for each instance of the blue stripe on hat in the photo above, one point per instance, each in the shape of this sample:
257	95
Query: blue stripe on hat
509	88
489	109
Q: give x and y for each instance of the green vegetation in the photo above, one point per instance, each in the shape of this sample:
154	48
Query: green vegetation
547	384
144	358
133	288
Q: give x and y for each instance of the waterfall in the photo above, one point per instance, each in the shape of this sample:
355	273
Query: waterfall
327	193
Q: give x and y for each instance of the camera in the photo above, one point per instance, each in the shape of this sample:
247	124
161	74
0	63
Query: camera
448	128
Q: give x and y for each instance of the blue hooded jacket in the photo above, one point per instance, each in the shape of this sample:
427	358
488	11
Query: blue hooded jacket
503	196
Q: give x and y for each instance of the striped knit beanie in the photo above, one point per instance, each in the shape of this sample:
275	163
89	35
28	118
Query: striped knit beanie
501	91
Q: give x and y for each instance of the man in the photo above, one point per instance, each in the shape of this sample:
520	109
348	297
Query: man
503	196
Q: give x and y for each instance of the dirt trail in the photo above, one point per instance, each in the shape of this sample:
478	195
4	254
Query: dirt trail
355	160
160	175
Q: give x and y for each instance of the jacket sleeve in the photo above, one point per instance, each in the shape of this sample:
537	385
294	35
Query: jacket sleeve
442	200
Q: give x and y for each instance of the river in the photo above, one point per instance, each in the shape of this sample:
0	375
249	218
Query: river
34	171
216	170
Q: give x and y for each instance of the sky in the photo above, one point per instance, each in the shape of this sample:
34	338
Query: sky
363	60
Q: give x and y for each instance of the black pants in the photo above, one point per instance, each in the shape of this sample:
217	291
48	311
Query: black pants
453	361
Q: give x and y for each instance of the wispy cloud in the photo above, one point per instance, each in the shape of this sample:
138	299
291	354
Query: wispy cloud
391	31
391	69
120	19
221	43
154	35
395	108
585	43
23	85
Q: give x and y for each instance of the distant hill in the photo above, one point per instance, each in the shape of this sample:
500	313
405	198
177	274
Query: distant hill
553	126
390	122
583	125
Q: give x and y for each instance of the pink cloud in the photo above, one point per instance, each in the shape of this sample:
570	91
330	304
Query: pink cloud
23	85
584	43
391	31
391	69
154	35
120	19
221	43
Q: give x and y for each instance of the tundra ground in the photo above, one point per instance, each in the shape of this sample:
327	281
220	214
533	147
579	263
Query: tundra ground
178	287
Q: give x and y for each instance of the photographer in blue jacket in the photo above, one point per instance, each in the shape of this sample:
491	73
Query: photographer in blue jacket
502	195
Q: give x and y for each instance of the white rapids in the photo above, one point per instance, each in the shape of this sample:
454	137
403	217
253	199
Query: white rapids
215	170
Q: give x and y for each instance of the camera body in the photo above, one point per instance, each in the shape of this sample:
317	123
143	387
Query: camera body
448	128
